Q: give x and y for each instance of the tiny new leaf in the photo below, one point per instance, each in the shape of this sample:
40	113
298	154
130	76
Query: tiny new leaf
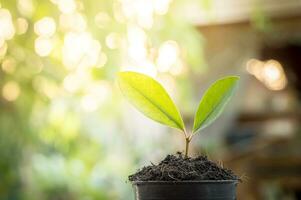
149	97
214	101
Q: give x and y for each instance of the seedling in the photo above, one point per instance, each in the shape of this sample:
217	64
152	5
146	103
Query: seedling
149	97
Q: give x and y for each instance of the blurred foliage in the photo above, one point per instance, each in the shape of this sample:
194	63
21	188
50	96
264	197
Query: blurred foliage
64	132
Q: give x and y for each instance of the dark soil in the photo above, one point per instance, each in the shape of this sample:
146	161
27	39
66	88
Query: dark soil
178	168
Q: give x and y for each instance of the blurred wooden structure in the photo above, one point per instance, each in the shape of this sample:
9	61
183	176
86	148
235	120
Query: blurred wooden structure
270	164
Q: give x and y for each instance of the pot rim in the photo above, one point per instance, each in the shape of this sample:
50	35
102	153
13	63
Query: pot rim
184	182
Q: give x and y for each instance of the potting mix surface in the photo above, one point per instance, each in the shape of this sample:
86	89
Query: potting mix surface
178	168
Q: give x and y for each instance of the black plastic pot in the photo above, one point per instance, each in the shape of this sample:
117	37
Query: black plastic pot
185	190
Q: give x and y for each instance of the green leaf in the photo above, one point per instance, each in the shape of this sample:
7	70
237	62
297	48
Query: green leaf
149	97
214	101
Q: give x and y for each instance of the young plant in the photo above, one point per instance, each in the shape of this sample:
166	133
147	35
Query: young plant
149	97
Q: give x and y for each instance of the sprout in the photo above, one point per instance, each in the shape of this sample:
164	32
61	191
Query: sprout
149	97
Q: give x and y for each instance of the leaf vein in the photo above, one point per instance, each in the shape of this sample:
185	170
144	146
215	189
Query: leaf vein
158	107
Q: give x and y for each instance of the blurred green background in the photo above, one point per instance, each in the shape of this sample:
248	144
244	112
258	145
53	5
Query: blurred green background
66	132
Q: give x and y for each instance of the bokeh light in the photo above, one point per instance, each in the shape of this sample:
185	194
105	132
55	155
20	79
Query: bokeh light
7	29
45	27
168	55
66	6
113	41
80	50
26	7
11	91
43	46
137	41
9	65
270	73
22	25
72	22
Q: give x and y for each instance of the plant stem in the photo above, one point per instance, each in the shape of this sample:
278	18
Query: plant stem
187	141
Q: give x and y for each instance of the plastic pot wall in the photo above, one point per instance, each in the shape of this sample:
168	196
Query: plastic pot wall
185	190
